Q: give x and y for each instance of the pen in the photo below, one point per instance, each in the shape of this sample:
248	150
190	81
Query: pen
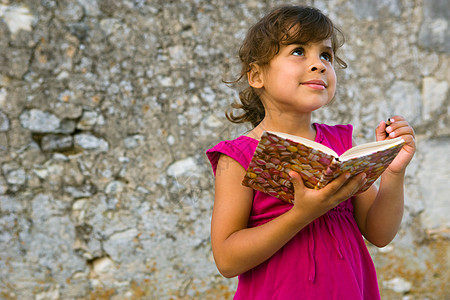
388	122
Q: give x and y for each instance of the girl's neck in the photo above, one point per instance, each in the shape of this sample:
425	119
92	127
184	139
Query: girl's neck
295	125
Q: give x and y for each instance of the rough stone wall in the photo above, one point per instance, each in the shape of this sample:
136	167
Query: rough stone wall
107	107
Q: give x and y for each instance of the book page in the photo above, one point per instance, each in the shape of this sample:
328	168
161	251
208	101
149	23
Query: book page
369	148
306	142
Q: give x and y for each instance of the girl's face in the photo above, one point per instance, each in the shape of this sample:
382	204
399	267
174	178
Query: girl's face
299	78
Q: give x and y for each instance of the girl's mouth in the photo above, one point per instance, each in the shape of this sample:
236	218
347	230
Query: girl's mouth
315	84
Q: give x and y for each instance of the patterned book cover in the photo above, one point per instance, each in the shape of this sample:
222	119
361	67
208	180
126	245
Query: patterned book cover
276	156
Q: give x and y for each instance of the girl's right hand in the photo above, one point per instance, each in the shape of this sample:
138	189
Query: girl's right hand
314	203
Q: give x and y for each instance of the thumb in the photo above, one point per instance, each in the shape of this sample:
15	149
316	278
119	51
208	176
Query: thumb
297	181
380	131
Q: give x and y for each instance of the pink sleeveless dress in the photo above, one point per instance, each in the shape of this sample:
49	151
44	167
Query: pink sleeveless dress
328	259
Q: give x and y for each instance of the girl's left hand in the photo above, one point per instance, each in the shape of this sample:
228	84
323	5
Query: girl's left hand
399	127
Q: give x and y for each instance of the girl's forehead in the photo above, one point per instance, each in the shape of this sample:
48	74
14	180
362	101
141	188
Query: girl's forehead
325	42
309	32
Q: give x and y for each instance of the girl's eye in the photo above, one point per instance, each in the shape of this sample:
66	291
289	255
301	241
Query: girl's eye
327	56
298	52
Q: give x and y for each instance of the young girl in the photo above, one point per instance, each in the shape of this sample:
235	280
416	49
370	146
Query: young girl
312	249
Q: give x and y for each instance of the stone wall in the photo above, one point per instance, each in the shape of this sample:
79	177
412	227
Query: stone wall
107	107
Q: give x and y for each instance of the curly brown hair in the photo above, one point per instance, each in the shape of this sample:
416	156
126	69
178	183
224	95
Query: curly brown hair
284	25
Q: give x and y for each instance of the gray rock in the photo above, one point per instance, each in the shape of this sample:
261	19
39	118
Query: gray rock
53	142
84	191
434	153
184	167
3	188
16	64
118	244
67	126
133	141
88	120
17	17
398	285
404	99
70	11
90	142
16	177
39	121
4	122
434	94
90	7
434	31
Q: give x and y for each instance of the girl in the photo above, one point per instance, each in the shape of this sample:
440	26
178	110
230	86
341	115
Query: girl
312	249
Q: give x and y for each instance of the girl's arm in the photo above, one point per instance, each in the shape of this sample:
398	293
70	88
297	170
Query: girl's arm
379	213
237	248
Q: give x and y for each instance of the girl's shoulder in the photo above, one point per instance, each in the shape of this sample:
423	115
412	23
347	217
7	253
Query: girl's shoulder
240	149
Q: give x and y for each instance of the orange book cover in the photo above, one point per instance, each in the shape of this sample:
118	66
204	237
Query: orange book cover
278	153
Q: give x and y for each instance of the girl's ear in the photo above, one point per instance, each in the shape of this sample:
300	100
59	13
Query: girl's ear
255	76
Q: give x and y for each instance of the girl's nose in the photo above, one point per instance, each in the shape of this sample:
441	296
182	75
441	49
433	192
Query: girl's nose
318	65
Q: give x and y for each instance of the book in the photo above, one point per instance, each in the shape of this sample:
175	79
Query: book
279	153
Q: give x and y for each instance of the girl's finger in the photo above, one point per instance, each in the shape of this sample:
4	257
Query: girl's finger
396	118
350	187
297	181
399	130
333	187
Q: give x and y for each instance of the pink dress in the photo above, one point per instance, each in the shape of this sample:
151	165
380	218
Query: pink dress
328	259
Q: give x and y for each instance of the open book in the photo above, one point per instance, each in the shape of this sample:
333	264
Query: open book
279	153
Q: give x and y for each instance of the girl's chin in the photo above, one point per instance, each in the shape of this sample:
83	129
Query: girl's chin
312	106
